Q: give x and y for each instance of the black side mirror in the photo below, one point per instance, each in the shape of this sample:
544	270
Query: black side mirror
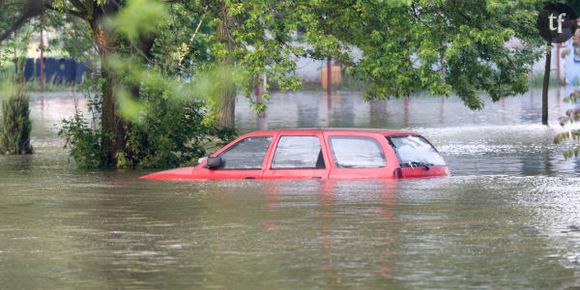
214	162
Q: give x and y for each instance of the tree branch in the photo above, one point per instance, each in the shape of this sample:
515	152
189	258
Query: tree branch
414	11
33	8
80	14
79	5
199	24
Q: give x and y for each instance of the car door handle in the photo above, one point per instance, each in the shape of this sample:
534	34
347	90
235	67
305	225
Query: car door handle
316	177
250	177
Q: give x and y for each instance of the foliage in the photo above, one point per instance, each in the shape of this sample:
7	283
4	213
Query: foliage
172	135
158	55
16	127
83	142
442	46
145	111
174	132
12	59
569	121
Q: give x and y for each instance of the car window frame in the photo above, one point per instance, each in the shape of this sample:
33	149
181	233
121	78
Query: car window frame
275	148
375	140
234	144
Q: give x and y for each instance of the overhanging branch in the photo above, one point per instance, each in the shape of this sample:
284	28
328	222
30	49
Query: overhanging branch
33	9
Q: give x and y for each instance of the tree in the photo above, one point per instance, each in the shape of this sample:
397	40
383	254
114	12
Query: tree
15	123
406	45
15	14
15	128
149	48
546	83
258	37
253	36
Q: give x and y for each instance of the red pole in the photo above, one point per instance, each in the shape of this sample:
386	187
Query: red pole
328	76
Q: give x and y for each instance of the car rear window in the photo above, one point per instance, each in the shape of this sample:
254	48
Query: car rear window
298	152
248	153
415	151
357	152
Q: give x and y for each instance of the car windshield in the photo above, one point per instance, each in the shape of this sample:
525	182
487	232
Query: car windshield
415	151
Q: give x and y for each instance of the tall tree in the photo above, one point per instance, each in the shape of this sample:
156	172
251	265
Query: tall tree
107	41
480	45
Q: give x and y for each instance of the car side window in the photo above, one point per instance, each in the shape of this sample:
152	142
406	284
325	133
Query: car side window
298	152
248	153
357	152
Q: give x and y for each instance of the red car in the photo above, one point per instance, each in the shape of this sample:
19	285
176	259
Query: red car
318	154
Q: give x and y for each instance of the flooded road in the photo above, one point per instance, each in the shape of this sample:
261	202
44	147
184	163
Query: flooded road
509	217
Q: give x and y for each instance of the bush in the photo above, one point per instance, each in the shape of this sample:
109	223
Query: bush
83	142
173	134
15	131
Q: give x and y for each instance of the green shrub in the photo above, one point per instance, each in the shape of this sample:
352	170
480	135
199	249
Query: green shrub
83	142
16	127
174	134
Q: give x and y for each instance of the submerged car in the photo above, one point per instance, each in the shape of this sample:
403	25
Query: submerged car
318	154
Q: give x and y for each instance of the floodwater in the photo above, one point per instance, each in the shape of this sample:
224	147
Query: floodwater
509	217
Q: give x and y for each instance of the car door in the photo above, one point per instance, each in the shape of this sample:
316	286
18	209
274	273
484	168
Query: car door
358	156
298	155
244	159
417	157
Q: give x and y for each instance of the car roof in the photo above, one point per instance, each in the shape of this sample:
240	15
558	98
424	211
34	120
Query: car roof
385	132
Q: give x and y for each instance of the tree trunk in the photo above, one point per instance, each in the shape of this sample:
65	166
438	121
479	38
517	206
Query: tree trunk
546	84
109	142
112	125
226	110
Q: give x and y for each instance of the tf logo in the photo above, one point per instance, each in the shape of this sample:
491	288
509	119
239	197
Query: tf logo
557	22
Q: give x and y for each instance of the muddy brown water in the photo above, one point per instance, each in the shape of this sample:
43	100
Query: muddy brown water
509	217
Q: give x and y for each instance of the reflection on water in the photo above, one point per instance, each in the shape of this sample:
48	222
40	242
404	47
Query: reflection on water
508	218
504	138
346	109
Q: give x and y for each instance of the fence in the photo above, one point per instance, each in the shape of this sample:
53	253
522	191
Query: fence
56	70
